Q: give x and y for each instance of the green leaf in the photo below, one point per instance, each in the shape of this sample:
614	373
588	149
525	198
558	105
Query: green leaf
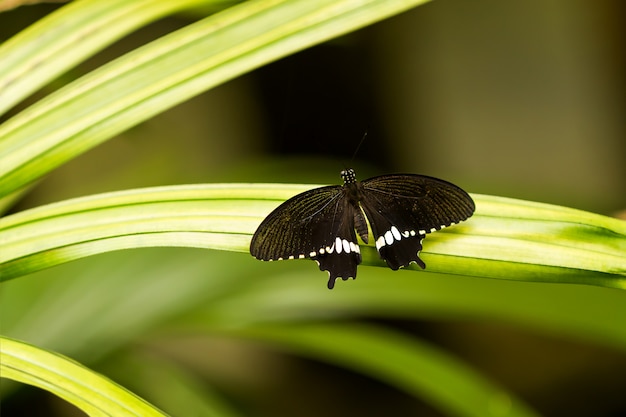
87	390
407	363
505	239
62	39
184	393
169	71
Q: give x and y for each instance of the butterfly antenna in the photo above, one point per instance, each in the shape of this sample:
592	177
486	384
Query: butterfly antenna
358	146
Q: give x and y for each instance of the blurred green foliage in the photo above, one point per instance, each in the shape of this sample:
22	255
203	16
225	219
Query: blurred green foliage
515	99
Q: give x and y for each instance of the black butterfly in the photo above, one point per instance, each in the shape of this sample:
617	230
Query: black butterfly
320	224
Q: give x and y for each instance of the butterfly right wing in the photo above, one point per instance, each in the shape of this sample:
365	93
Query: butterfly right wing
317	224
403	208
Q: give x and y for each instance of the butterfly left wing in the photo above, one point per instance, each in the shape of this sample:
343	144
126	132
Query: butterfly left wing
316	224
403	208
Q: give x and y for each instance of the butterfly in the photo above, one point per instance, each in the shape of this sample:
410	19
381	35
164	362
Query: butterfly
322	223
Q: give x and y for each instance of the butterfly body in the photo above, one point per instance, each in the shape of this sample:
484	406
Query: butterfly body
322	224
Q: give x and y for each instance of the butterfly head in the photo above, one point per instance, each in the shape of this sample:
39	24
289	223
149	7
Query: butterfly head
348	176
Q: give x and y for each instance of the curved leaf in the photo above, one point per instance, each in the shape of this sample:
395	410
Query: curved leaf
169	71
57	42
87	390
506	239
407	363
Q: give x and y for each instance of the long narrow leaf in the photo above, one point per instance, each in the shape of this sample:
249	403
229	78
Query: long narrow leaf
59	41
87	390
506	239
411	365
168	71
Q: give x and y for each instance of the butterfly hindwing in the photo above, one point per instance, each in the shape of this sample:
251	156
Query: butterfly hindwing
342	254
317	224
403	208
397	246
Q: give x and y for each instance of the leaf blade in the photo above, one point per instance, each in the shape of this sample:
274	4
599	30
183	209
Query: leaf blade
89	391
169	71
224	216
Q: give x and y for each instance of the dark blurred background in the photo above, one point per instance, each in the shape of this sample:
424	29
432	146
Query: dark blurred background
520	98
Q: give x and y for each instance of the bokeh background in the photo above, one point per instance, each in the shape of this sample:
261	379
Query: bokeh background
522	99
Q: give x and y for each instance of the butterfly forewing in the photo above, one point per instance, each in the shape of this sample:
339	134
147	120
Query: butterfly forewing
289	230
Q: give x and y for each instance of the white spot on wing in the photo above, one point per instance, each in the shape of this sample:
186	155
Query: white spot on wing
396	233
388	237
380	242
338	245
346	246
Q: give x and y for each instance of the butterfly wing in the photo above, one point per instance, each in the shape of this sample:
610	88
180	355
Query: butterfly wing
316	224
403	208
